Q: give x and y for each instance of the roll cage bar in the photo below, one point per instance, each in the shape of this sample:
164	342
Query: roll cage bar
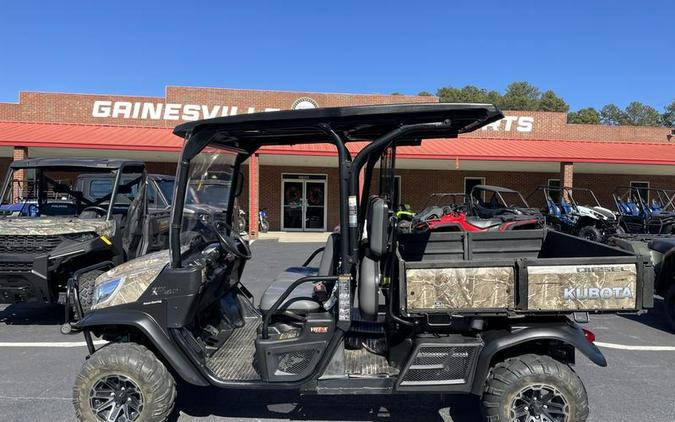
666	197
565	189
379	126
114	166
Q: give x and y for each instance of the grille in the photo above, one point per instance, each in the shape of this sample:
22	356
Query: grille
436	364
12	267
294	363
28	244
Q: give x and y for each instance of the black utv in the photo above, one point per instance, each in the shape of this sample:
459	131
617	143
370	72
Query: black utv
383	313
62	215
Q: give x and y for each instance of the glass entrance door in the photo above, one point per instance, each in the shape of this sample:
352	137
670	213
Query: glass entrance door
303	203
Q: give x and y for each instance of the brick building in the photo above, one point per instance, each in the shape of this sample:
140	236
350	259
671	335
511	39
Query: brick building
522	151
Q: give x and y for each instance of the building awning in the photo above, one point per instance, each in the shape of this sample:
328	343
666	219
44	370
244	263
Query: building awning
79	136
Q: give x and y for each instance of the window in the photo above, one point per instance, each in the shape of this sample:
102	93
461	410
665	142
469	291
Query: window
470	182
98	188
554	189
643	188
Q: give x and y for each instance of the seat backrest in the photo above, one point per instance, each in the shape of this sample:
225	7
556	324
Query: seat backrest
328	258
553	208
377	231
566	208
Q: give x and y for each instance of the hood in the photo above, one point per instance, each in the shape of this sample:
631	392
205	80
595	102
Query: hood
136	275
597	213
37	226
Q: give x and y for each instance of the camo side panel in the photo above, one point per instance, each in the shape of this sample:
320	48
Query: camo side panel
460	288
45	226
582	287
137	273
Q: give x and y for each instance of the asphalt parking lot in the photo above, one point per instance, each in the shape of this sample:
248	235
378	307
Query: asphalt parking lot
39	365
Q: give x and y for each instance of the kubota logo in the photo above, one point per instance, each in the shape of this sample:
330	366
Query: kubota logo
571	293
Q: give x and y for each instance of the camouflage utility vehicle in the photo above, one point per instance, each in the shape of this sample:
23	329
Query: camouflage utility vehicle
660	248
383	313
58	217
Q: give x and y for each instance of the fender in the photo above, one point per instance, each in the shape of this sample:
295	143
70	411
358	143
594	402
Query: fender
565	332
152	330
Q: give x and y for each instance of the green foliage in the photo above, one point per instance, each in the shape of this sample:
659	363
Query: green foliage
588	115
551	102
424	94
612	115
638	114
521	96
668	117
468	94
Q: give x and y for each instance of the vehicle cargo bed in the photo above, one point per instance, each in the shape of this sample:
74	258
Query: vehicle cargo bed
527	271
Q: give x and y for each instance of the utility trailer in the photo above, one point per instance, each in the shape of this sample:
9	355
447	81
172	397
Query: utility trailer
382	313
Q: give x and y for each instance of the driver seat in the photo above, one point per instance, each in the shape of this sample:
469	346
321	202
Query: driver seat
301	299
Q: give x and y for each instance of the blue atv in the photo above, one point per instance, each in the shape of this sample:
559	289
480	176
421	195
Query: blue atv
577	211
645	210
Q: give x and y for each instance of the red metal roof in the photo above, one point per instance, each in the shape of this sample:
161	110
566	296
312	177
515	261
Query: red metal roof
57	135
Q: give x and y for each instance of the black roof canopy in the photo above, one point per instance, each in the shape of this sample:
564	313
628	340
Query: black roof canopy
354	123
85	163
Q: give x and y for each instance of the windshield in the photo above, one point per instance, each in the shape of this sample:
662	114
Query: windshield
59	191
208	194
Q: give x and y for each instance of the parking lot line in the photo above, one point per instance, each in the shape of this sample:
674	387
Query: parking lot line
51	344
636	348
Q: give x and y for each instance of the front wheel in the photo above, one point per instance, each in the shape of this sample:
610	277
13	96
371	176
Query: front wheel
590	233
123	382
534	388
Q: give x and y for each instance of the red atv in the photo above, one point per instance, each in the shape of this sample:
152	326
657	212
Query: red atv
505	210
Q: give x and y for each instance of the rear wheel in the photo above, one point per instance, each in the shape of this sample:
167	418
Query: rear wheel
123	382
590	233
669	307
534	388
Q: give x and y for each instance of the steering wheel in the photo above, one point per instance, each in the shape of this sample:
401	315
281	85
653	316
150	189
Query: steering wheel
234	243
100	211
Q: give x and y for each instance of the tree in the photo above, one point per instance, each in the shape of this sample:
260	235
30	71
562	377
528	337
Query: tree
520	96
424	94
638	114
468	94
551	102
588	115
612	115
668	117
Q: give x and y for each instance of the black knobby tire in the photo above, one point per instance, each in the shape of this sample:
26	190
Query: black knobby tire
590	233
669	306
134	363
510	379
86	289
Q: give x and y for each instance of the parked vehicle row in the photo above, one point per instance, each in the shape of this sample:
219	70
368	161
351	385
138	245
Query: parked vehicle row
476	295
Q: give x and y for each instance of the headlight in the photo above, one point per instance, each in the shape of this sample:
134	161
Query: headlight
105	290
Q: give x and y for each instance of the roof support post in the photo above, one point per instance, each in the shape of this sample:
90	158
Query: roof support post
253	195
566	177
20	153
345	174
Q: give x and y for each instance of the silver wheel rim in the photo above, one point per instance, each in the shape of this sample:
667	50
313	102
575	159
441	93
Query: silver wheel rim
539	403
116	398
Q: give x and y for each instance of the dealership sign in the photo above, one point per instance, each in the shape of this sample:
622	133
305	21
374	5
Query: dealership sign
511	123
171	111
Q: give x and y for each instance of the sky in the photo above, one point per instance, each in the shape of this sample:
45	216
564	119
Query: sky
589	52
